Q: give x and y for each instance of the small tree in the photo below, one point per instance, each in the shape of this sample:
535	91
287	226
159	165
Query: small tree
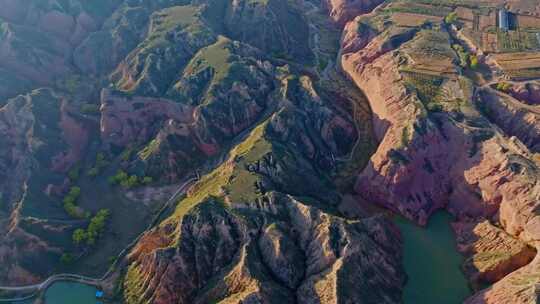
93	172
67	258
79	236
74	192
126	154
133	181
147	180
120	178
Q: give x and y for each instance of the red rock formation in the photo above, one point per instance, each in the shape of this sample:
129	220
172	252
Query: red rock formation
342	11
515	118
441	162
491	253
125	120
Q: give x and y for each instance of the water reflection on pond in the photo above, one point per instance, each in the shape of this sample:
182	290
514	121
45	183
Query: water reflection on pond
70	293
432	262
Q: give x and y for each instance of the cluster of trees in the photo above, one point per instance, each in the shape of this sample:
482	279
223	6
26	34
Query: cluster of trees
90	235
70	203
466	59
129	181
101	162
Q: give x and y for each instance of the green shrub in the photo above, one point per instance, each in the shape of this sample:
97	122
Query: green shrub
67	258
91	109
118	178
94	229
101	162
96	226
93	172
127	181
70	203
74	173
126	154
79	236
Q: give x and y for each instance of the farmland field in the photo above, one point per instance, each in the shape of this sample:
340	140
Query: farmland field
414	20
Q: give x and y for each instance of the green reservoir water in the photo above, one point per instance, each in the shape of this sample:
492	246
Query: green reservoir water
432	262
70	293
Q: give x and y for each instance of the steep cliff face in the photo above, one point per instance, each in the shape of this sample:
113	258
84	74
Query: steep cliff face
491	253
125	120
436	150
516	119
276	27
343	11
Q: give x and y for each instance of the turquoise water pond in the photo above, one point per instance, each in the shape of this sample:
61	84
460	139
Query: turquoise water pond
67	293
432	262
70	293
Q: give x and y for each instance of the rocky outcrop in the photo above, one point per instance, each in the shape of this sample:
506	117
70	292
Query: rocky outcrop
126	120
515	119
432	155
170	44
210	237
343	11
491	253
521	286
276	27
230	260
